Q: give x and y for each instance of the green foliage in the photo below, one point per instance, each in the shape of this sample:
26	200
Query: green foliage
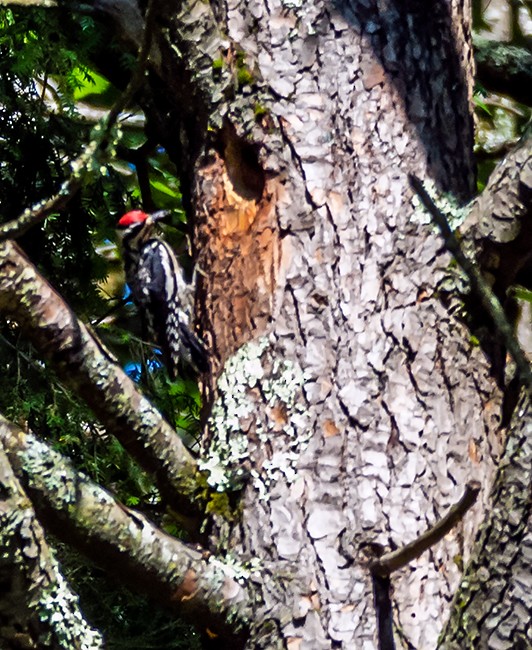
260	111
41	132
244	76
127	620
500	120
50	81
32	396
219	505
165	189
479	98
91	85
521	293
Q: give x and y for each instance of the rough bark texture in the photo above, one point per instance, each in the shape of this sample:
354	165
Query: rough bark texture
500	221
492	608
120	540
349	406
37	609
359	409
498	231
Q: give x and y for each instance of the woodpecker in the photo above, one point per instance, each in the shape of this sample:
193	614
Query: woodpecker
158	288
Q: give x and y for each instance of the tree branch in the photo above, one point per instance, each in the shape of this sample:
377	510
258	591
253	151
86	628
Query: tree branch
503	211
504	68
35	601
395	560
491	607
121	540
83	364
489	300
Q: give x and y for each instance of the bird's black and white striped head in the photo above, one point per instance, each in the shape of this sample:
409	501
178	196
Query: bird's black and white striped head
136	227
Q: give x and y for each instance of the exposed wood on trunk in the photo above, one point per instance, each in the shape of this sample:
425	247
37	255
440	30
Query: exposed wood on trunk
362	411
350	406
240	245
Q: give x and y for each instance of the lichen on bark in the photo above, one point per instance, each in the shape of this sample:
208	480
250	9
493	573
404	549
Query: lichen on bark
235	430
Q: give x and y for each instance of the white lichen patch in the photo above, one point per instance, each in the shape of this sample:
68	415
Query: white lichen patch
247	392
44	467
283	387
233	568
292	4
230	446
59	607
225	579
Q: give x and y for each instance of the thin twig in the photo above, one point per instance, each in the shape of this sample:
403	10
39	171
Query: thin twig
489	300
94	150
138	75
395	560
29	3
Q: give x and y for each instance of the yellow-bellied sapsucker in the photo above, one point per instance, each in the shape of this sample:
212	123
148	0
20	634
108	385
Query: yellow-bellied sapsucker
159	289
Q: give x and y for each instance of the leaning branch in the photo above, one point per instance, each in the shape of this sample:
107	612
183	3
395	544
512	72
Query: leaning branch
92	153
395	560
489	300
85	366
121	540
35	601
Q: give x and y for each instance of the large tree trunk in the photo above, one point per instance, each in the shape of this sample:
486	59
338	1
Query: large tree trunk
358	408
348	405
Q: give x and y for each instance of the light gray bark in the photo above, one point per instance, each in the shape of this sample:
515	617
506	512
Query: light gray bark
492	608
360	408
351	406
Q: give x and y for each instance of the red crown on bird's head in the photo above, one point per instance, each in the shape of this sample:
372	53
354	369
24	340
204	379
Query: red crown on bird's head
134	216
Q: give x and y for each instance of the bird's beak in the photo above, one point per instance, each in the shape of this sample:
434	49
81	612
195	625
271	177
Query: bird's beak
158	216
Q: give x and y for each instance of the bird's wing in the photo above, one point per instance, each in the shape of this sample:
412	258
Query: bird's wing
158	290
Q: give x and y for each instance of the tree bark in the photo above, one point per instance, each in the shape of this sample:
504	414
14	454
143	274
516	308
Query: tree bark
351	408
492	608
37	607
500	220
349	405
